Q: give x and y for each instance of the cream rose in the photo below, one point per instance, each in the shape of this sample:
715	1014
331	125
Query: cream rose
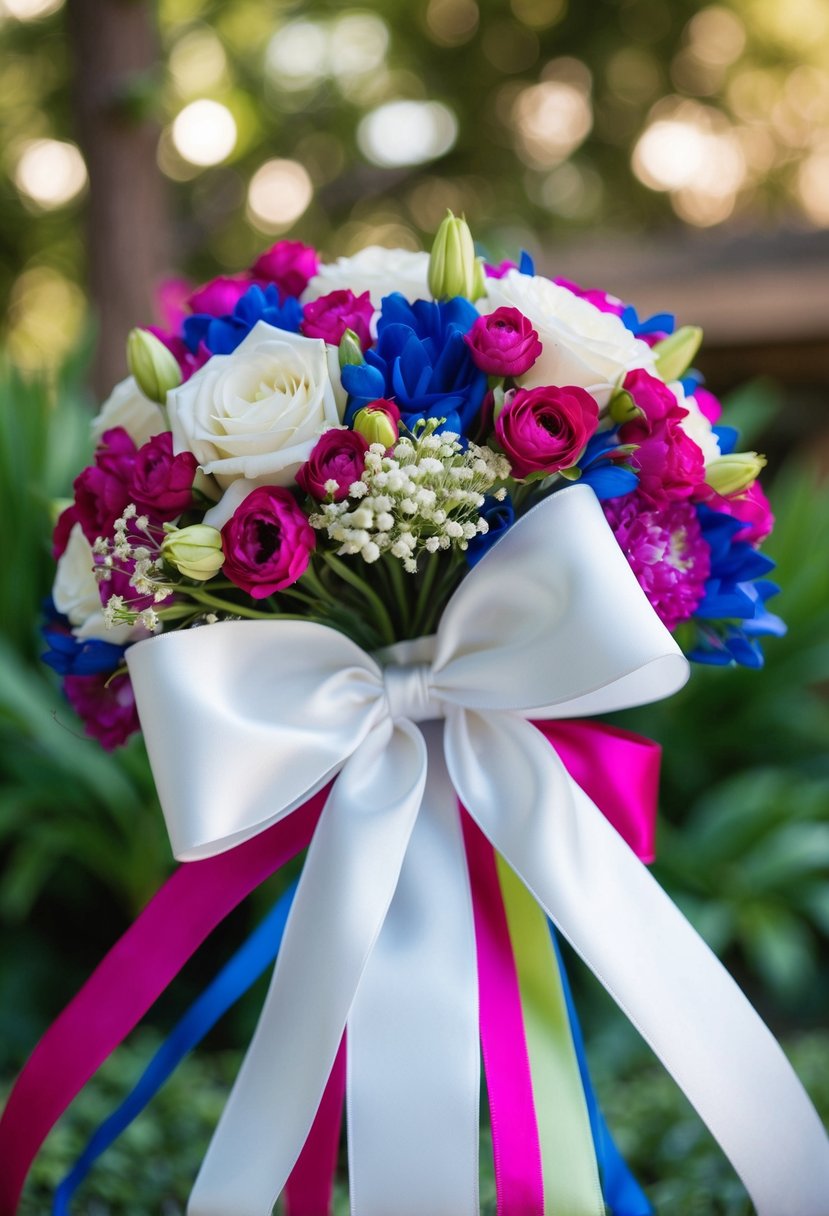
696	426
581	345
76	595
376	270
127	406
257	413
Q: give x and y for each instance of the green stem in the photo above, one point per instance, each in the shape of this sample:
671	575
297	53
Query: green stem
427	582
210	601
343	571
397	583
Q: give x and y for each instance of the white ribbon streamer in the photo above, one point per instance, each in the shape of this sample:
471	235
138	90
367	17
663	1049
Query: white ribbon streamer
245	720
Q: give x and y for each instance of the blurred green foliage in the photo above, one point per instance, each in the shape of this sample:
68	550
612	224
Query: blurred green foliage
152	1167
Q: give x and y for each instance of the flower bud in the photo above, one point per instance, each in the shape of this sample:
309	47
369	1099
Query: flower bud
350	351
377	424
154	367
622	408
675	353
452	265
196	552
730	474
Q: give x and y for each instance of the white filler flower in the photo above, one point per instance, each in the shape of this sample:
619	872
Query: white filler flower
376	270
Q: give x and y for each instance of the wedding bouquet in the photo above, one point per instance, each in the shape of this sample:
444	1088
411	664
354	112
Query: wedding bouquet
402	521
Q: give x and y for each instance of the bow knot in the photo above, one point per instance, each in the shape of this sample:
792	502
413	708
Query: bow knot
410	693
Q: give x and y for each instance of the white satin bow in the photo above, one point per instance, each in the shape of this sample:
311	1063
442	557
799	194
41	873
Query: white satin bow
246	720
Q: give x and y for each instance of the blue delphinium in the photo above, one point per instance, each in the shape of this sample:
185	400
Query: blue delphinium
221	335
733	615
422	363
599	470
500	515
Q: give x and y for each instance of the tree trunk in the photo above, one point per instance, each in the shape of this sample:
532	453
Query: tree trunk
115	49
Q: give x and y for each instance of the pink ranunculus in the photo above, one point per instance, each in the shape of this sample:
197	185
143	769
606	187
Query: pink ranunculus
670	465
545	429
105	705
709	406
752	508
338	455
289	264
503	343
654	398
599	299
171	298
102	489
220	296
267	542
162	484
666	551
328	317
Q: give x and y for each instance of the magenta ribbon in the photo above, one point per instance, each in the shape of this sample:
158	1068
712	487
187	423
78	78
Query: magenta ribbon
310	1187
182	914
617	769
620	772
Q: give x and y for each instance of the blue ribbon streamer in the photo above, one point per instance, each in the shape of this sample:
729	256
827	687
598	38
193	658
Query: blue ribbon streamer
622	1193
235	978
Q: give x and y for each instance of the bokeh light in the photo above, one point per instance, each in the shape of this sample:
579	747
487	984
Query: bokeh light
29	10
50	173
278	194
551	120
204	132
451	22
45	319
407	133
297	55
197	62
813	186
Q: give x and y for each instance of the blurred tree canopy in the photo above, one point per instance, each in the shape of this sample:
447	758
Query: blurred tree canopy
341	125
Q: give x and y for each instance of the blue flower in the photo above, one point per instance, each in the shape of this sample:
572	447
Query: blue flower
598	469
500	516
422	363
71	656
221	335
732	615
659	323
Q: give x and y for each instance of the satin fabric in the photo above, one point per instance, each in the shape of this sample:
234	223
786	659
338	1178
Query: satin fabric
244	720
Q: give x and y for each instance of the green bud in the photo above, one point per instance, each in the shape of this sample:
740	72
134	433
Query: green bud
623	408
499	399
479	283
196	552
730	474
155	368
350	351
376	426
675	354
453	270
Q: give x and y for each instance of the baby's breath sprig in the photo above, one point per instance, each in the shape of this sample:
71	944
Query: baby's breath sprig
133	551
424	496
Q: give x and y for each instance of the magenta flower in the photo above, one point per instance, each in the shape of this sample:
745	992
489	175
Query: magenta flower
498	271
60	536
161	483
542	430
220	296
267	542
751	507
328	317
710	407
105	705
503	343
339	456
102	489
289	264
654	398
666	551
187	361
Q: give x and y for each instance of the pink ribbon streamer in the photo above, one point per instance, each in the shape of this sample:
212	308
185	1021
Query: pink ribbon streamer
310	1188
193	901
519	1183
620	772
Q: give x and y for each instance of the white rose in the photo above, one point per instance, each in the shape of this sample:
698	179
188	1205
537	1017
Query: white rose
127	406
76	595
258	412
696	426
376	270
582	345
